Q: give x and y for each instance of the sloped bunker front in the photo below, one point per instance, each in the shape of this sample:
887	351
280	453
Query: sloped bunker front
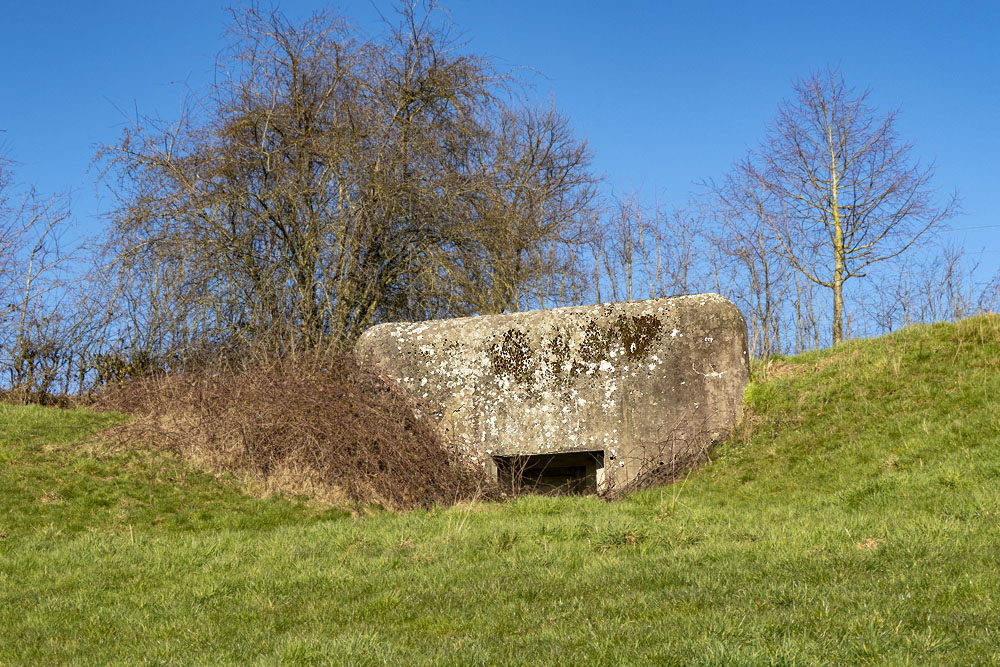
634	386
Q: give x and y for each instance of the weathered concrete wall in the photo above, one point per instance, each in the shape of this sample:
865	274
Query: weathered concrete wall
643	381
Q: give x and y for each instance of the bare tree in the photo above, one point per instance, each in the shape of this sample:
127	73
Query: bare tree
646	251
943	284
329	181
620	246
38	330
531	207
837	188
749	253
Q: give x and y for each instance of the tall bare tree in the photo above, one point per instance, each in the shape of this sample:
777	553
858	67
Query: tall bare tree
837	187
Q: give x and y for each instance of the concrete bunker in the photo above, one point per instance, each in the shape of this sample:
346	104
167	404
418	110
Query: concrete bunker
630	386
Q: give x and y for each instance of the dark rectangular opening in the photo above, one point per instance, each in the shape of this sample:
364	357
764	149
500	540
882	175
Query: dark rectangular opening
568	473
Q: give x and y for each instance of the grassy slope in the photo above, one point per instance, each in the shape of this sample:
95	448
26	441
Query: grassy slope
860	524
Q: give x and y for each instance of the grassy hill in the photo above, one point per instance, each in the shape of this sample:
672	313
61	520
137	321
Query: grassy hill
857	521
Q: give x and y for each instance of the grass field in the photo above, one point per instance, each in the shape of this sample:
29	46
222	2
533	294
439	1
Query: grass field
860	524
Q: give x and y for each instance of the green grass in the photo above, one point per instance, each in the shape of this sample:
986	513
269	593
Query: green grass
859	525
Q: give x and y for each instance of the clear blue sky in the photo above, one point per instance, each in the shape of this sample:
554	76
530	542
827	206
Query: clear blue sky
667	93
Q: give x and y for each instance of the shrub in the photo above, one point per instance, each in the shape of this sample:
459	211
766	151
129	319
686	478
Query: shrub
322	426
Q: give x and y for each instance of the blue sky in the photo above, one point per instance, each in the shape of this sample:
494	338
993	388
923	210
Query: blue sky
666	93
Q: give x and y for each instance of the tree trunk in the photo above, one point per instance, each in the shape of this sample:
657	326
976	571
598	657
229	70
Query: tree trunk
838	307
838	278
838	245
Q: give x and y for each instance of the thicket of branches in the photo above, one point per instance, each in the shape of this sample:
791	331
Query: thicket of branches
329	180
831	194
647	251
47	322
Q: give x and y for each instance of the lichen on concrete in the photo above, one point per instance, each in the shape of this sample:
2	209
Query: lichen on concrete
641	381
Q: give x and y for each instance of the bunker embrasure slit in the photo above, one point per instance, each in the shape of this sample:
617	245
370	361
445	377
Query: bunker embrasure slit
566	473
